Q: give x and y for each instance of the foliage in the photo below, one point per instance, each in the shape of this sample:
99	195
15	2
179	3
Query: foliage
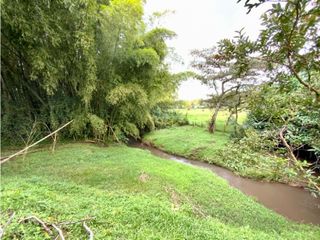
164	117
289	42
230	68
257	165
274	106
165	206
250	5
257	149
289	46
188	104
226	64
90	61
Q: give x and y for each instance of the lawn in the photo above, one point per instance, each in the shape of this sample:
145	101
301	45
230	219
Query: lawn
132	194
189	141
201	117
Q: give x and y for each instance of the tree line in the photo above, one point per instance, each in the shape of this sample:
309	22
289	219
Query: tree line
94	61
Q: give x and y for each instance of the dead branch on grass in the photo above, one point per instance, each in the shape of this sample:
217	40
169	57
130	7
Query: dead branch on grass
42	223
56	226
91	235
42	139
2	229
292	157
59	231
294	160
178	196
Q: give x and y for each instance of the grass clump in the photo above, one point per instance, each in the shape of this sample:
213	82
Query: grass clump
132	195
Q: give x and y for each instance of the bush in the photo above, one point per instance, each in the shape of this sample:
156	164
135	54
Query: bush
164	117
243	157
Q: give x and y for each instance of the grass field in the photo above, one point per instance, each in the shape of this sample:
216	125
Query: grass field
132	195
201	117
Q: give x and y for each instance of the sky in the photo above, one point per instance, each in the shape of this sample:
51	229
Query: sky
201	24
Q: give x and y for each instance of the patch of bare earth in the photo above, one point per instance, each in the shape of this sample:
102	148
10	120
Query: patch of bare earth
175	199
143	177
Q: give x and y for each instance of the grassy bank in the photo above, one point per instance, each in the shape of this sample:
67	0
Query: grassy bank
132	195
201	117
197	143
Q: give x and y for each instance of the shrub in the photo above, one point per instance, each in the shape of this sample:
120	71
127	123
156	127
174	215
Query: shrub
164	117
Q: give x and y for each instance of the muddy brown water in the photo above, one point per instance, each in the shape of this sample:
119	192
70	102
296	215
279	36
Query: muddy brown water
291	202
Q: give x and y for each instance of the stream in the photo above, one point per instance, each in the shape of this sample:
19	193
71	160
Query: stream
291	202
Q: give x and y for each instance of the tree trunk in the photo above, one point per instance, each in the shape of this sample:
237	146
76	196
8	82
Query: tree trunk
212	124
236	120
237	113
228	120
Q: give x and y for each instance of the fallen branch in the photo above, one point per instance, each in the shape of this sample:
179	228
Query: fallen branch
33	151
7	224
194	206
294	160
59	231
188	200
44	226
56	226
88	230
26	148
288	147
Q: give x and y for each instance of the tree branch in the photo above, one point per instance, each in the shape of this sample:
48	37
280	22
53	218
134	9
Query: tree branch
59	231
288	147
7	224
44	226
311	88
289	54
91	235
42	139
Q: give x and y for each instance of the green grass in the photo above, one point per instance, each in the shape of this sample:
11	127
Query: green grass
201	117
197	143
188	141
132	195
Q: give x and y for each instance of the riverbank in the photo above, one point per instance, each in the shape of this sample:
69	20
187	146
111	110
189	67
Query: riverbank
132	194
291	202
197	143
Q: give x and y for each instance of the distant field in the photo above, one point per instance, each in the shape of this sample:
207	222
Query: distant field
202	117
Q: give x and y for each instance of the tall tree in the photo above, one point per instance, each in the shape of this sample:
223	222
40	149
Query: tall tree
228	68
91	61
47	61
